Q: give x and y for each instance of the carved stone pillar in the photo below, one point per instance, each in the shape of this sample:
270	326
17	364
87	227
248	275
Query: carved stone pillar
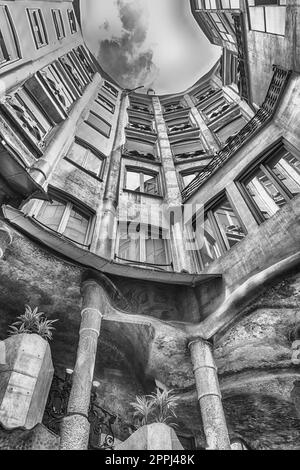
5	238
209	395
75	427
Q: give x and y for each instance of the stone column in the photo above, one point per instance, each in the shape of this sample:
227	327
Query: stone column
209	395
5	238
75	427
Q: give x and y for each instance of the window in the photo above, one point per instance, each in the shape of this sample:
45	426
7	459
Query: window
224	29
112	90
270	185
29	117
9	50
72	21
86	158
66	218
37	27
221	230
267	16
217	4
230	129
188	149
73	72
99	124
142	182
142	125
105	103
179	125
142	244
58	23
84	61
139	148
189	175
53	79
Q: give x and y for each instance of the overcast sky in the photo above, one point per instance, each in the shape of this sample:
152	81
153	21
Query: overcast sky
156	43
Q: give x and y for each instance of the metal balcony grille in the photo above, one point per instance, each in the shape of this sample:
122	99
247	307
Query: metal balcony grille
263	115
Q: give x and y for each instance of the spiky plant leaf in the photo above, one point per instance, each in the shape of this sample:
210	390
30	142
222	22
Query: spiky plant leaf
17	330
44	328
143	408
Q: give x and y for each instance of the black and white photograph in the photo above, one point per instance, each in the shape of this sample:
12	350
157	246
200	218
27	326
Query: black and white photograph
150	228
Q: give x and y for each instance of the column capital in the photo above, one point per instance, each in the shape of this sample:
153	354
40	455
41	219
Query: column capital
199	339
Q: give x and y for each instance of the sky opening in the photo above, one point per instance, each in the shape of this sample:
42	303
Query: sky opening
155	43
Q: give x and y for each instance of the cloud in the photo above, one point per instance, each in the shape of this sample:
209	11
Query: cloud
122	50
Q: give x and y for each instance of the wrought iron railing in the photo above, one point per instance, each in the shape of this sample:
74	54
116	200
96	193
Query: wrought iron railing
102	432
261	118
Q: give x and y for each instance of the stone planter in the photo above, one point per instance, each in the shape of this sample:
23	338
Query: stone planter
156	436
26	373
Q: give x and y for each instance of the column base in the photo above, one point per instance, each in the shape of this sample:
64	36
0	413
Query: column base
75	432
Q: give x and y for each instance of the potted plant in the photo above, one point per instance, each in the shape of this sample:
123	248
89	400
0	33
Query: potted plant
159	407
32	322
27	371
155	414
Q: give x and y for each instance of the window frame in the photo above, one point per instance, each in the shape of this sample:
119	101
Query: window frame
69	203
111	107
263	4
94	127
111	89
58	23
143	248
89	148
30	13
261	163
10	46
209	209
72	21
143	171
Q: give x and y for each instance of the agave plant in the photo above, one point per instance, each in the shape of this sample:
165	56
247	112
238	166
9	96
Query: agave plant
164	406
44	328
143	407
158	407
32	321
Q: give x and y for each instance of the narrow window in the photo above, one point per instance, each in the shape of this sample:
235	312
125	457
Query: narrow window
112	90
58	87
37	27
58	23
72	21
9	48
105	103
99	124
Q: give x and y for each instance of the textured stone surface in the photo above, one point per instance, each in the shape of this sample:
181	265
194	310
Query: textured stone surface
156	436
38	438
75	430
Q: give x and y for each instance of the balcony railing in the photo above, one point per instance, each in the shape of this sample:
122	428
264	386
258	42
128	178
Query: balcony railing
243	82
263	115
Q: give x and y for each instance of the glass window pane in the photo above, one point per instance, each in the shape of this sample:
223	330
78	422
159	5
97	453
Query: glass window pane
210	249
57	87
51	214
229	224
235	4
77	226
155	251
129	246
287	169
133	181
151	184
93	163
99	124
263	192
225	4
78	154
257	18
275	19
